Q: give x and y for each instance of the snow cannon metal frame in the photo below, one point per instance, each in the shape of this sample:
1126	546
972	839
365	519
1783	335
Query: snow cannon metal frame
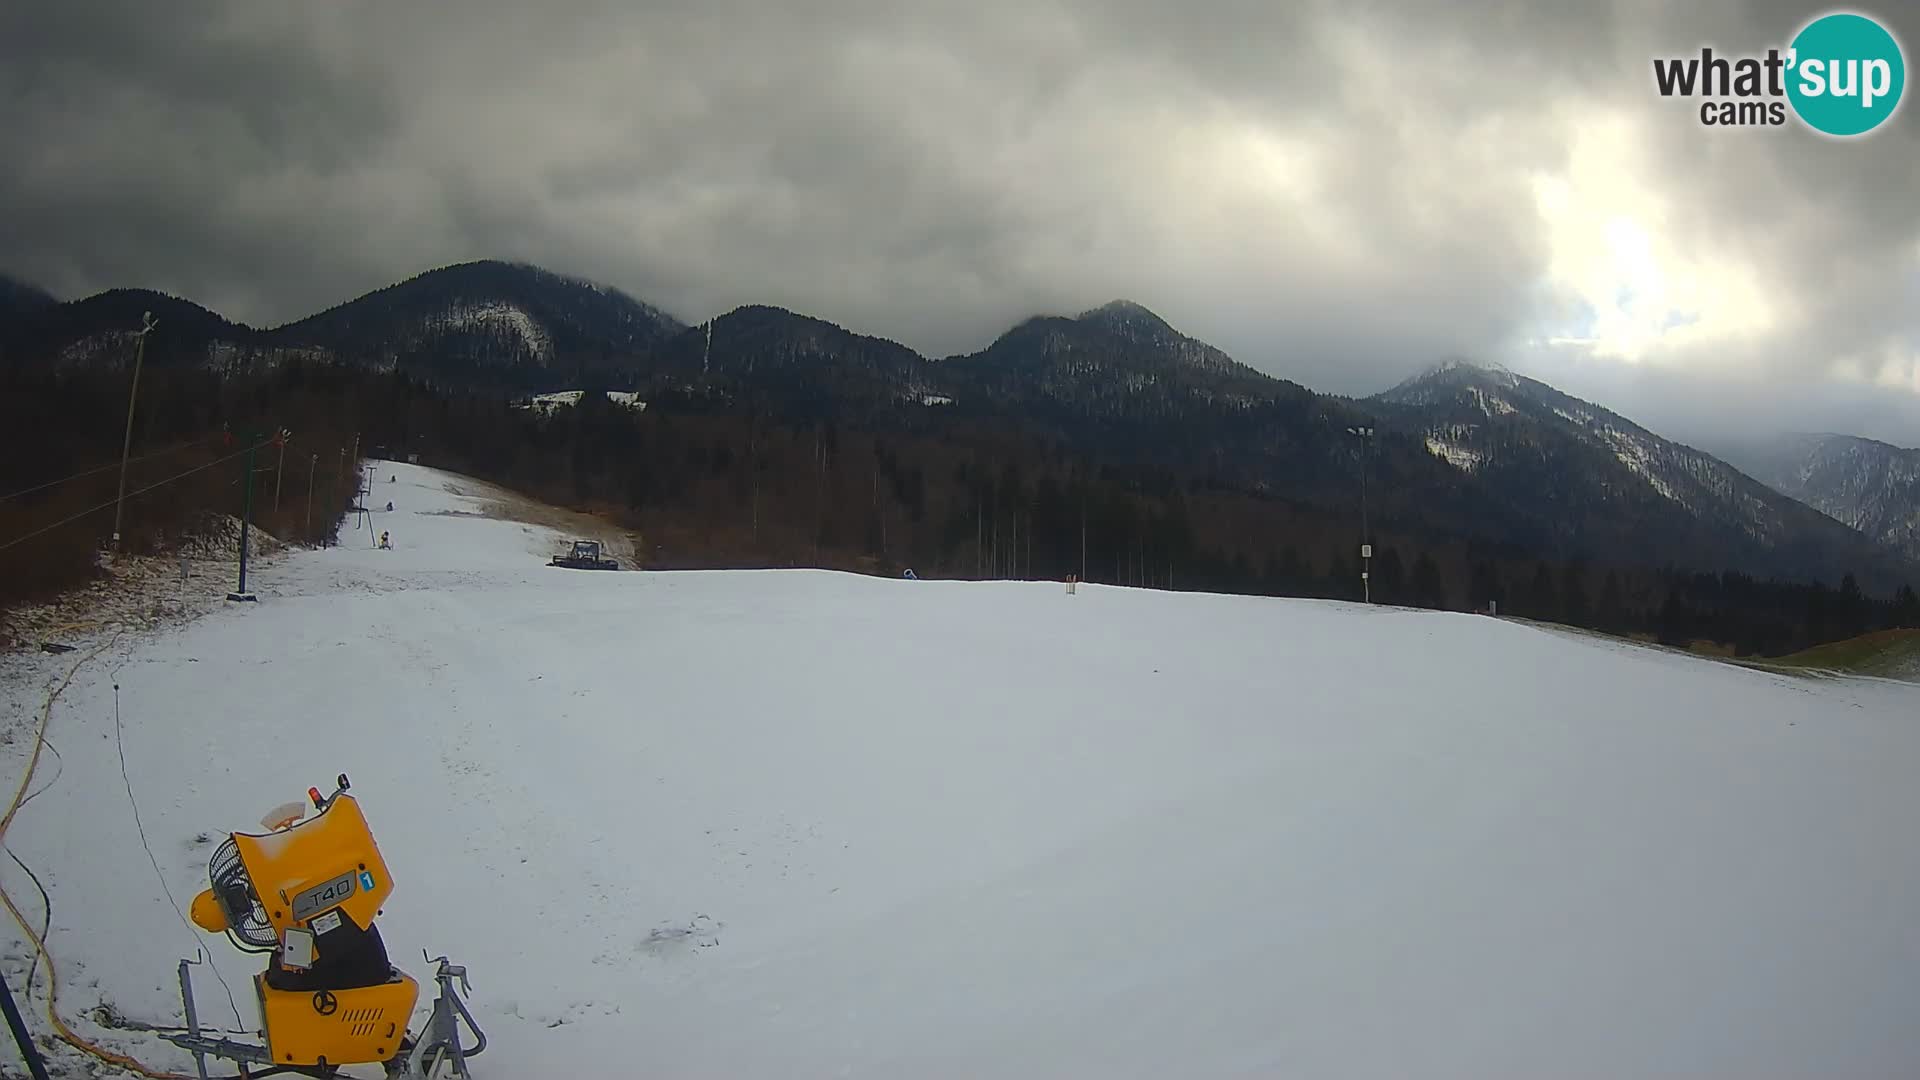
307	892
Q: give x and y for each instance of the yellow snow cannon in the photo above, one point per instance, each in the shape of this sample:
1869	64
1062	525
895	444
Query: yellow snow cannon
306	893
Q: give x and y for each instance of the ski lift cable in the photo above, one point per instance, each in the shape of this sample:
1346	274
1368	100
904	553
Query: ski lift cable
100	468
96	509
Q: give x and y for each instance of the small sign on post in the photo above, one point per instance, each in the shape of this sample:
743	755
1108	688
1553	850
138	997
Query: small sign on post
1366	551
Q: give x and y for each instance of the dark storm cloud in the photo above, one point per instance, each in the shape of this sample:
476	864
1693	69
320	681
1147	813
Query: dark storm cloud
151	148
1335	192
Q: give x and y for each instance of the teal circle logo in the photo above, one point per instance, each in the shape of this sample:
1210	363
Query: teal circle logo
1845	75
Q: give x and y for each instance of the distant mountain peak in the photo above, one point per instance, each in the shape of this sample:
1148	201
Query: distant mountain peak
501	278
1600	480
1461	364
1128	317
1864	483
535	270
764	310
1120	306
1451	373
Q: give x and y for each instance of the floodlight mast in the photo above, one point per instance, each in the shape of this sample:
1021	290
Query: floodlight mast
1365	435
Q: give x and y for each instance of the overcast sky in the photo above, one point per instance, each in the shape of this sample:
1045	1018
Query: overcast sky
1340	193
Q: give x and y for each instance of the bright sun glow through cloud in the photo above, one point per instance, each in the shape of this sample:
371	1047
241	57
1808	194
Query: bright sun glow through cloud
1643	291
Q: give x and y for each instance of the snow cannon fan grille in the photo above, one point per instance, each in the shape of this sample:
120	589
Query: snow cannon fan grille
247	922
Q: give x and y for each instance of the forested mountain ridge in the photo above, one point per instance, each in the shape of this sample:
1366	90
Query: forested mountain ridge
1461	454
1864	483
1602	482
496	325
474	321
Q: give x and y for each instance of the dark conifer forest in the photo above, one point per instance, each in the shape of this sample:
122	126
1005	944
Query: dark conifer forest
709	488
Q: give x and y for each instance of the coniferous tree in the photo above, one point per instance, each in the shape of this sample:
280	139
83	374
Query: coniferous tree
1543	602
1675	625
1612	614
1851	612
1904	611
1389	578
1573	595
1486	590
1429	591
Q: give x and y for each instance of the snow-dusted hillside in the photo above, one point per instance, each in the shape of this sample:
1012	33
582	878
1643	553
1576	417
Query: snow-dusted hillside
808	824
546	403
483	315
1480	412
1872	486
1600	483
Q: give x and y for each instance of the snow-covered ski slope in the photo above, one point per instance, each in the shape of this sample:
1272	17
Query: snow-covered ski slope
792	823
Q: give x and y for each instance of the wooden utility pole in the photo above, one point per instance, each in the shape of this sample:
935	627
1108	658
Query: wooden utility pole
279	470
311	466
126	443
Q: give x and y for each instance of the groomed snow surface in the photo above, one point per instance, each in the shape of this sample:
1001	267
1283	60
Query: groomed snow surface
793	823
